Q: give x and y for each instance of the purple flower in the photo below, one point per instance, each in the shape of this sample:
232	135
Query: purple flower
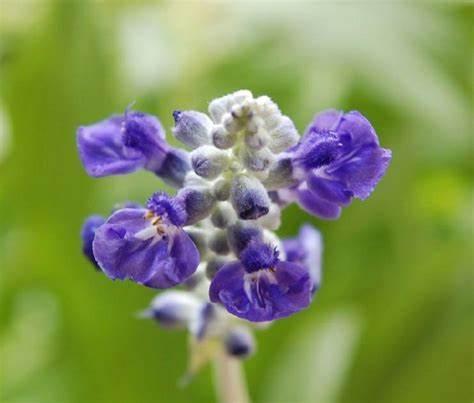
306	249
338	158
126	143
259	287
88	233
147	246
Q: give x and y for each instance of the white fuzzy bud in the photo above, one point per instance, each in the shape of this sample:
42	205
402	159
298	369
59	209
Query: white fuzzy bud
283	136
218	107
280	174
231	124
249	198
192	128
218	242
222	138
257	160
221	189
209	162
258	140
241	95
173	308
223	215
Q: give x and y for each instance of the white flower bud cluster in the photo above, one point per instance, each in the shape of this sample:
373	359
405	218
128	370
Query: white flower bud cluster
237	157
236	150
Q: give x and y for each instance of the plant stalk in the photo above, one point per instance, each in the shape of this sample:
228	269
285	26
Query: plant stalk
229	380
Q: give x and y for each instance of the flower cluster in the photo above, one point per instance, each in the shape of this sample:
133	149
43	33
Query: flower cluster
216	235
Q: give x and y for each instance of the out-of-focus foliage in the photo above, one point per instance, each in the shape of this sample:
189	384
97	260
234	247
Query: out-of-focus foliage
393	321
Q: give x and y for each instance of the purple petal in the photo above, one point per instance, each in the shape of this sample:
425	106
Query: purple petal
330	190
325	121
317	150
264	295
227	287
101	149
144	134
293	250
306	249
121	253
362	170
180	263
294	290
87	234
311	243
313	204
359	128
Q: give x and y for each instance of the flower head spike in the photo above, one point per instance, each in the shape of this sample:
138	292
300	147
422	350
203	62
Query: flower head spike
147	246
338	158
244	163
260	287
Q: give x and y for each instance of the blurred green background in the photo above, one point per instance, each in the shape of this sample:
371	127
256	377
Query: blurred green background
393	321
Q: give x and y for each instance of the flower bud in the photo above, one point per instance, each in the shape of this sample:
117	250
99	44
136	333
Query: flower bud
198	203
209	162
258	140
194	180
241	95
218	242
223	216
218	107
222	138
173	309
249	198
257	160
284	136
174	168
240	234
239	342
231	123
280	174
221	189
192	128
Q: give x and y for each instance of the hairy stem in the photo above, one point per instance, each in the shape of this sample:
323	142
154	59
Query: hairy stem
230	380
